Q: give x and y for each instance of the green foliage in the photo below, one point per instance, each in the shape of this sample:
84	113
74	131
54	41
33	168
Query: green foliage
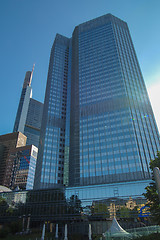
43	203
134	212
100	210
151	192
15	227
96	236
3	201
123	212
156	162
3	206
78	237
74	205
10	210
4	231
9	236
11	228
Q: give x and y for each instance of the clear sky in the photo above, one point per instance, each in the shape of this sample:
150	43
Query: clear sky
28	29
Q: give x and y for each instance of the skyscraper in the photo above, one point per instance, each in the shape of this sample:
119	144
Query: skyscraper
29	113
26	94
50	166
97	115
33	122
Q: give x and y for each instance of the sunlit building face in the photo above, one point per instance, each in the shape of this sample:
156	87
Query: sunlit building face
97	117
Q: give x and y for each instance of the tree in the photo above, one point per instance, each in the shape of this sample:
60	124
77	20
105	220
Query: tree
123	212
151	192
75	205
100	210
45	203
3	206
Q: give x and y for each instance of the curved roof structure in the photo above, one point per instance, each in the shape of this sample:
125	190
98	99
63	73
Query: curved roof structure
4	189
116	231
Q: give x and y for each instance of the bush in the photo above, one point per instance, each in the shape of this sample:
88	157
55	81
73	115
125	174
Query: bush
4	232
12	228
15	227
78	237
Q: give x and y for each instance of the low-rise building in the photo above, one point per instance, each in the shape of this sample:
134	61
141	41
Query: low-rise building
8	142
23	171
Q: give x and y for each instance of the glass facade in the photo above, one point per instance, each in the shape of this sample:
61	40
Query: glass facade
121	190
23	104
31	167
33	122
113	130
50	167
73	204
98	123
79	210
29	113
23	167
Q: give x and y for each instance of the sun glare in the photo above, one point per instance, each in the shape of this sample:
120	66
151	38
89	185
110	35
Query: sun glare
154	94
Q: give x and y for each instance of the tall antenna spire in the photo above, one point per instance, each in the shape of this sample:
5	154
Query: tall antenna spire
31	74
33	68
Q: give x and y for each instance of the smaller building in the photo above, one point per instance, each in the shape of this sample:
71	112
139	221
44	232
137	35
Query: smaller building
17	161
23	172
8	142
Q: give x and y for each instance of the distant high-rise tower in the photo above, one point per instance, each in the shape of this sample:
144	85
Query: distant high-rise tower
23	103
97	115
33	122
29	113
50	166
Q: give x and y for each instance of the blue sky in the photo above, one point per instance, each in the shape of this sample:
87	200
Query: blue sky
28	29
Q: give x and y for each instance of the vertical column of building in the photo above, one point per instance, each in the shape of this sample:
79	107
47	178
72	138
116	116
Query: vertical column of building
74	164
50	163
67	107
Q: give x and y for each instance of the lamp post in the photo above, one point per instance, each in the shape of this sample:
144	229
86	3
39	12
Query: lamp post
28	222
90	232
43	232
23	221
65	232
56	235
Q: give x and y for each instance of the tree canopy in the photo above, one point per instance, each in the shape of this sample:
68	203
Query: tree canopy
151	192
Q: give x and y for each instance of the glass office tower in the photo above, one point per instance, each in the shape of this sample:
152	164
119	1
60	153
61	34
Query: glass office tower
26	94
50	166
33	122
113	133
29	113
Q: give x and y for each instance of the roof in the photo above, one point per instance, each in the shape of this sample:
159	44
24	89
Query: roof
116	230
4	189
